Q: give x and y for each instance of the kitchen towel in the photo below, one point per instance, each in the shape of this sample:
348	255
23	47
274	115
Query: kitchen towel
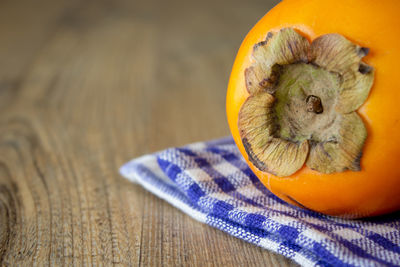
211	182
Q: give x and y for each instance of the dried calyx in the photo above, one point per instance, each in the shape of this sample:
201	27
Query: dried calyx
302	104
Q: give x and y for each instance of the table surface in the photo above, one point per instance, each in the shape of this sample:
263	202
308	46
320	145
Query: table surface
84	87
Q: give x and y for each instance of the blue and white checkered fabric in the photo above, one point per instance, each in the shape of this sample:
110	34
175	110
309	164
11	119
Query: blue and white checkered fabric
211	182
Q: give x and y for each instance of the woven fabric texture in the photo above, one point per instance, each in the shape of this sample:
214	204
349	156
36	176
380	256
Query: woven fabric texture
211	182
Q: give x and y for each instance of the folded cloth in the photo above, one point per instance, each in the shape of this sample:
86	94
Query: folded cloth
211	182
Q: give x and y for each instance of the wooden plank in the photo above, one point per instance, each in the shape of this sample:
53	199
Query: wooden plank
84	87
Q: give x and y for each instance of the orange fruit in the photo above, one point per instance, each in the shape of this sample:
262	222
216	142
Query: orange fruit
374	188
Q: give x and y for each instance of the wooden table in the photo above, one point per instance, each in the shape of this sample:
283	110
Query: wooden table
84	87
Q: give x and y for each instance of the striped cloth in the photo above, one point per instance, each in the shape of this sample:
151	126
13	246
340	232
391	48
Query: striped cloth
211	182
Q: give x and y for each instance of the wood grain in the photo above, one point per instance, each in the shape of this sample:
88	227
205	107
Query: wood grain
86	86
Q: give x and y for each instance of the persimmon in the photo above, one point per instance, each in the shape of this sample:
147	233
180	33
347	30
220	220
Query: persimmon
313	104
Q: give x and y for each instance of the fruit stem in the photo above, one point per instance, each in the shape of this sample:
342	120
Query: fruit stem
314	104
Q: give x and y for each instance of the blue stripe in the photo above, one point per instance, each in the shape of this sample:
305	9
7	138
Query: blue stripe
223	183
327	256
255	220
221	209
170	169
384	242
194	192
237	162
